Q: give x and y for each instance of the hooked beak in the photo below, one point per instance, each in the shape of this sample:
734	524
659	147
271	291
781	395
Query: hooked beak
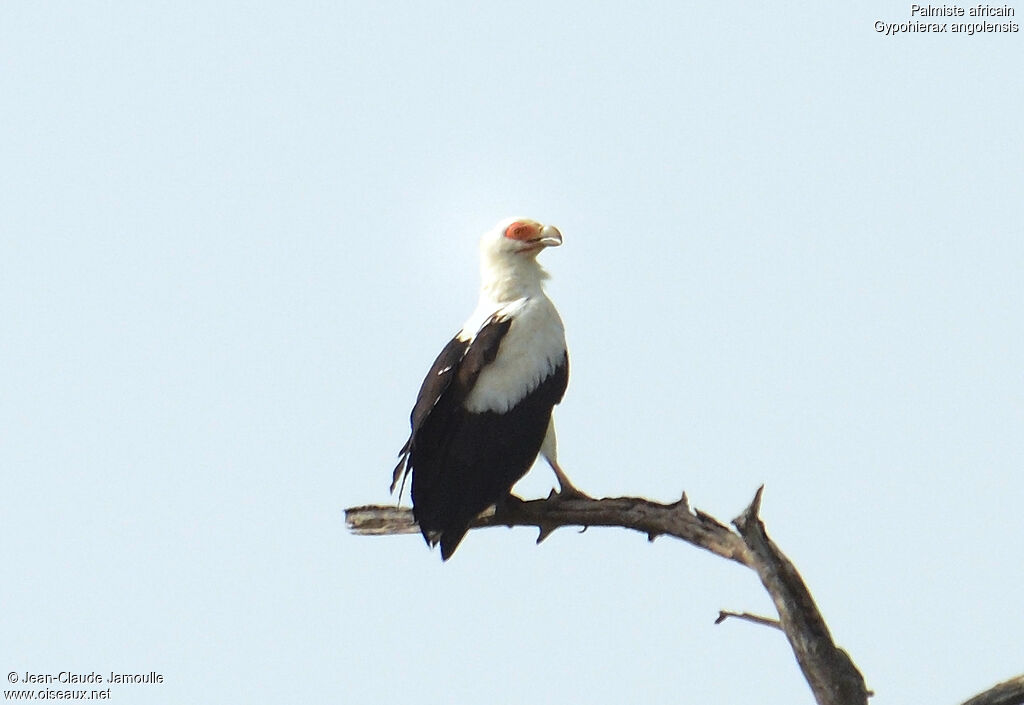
549	237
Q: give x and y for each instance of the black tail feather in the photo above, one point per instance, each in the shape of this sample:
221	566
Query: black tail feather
450	540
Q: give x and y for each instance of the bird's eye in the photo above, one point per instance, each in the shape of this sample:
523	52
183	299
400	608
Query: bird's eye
520	231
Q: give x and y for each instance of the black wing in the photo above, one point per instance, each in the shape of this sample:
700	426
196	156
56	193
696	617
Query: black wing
463	462
460	362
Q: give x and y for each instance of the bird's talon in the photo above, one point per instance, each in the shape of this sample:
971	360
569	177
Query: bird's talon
510	500
569	492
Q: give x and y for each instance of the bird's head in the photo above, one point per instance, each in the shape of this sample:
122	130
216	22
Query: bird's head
508	257
520	237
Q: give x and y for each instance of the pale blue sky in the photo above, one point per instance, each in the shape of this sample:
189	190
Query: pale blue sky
233	238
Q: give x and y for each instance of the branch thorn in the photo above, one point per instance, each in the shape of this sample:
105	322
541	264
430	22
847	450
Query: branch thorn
545	531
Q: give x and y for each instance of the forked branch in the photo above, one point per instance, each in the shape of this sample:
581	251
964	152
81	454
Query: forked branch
830	672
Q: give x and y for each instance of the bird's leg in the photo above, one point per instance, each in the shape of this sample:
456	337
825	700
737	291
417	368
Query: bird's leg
549	449
566	490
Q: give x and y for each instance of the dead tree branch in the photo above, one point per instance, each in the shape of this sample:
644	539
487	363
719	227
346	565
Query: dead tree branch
641	515
1009	692
829	671
748	617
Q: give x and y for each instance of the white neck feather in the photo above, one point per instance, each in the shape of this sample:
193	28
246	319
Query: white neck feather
506	277
533	347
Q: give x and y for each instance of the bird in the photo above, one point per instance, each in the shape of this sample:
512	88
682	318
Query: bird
484	410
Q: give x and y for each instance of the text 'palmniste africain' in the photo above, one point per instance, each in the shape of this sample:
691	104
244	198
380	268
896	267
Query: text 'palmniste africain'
988	19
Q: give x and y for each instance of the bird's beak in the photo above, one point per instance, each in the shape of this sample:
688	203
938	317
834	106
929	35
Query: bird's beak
549	236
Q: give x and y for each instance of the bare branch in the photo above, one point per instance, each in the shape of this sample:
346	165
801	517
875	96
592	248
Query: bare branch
833	678
1009	692
554	512
830	672
380	520
755	618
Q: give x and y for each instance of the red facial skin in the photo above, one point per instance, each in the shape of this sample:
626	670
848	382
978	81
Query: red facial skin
523	231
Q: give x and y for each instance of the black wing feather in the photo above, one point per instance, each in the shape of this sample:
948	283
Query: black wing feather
461	362
463	462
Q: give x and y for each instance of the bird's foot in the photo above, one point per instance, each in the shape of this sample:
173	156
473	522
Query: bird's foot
566	492
509	501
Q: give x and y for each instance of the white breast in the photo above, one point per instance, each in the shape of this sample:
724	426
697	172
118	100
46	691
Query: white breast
530	352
